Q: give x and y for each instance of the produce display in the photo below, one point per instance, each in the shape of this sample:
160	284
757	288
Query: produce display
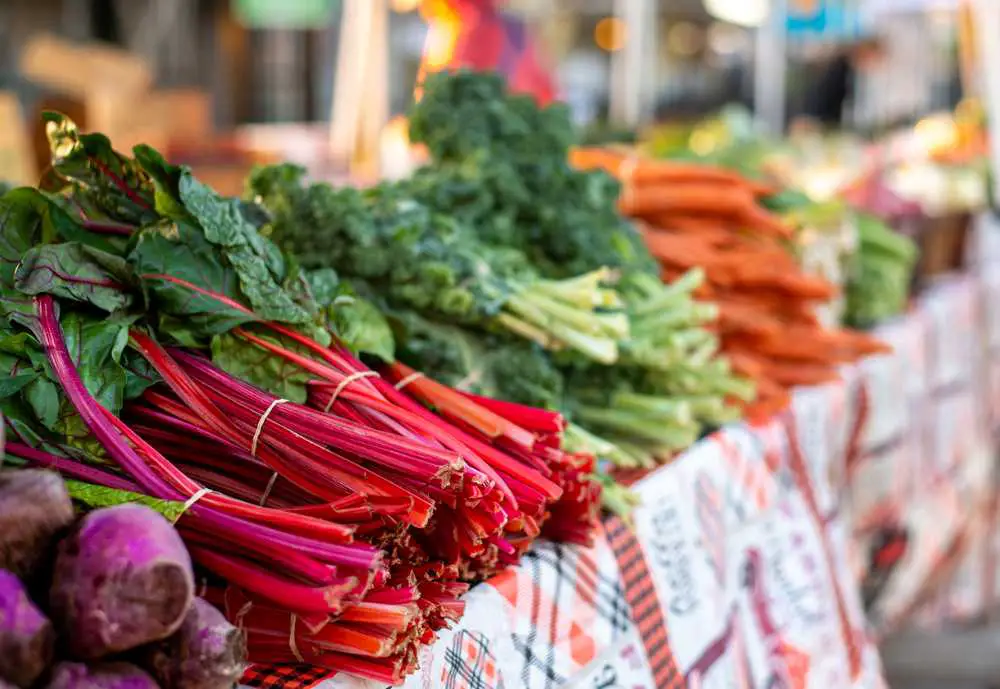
702	216
296	426
162	346
639	376
106	600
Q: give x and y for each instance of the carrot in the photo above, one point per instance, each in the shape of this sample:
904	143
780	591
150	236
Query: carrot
746	364
596	158
761	305
636	169
679	250
798	285
713	231
743	319
763	410
856	344
694	197
763	221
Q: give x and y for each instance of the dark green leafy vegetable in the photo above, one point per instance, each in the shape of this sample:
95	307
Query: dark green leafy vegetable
387	243
500	163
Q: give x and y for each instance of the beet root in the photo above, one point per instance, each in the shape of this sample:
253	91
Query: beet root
100	676
34	508
26	636
207	652
121	580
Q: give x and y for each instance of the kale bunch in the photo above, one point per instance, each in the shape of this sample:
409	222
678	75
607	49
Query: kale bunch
500	163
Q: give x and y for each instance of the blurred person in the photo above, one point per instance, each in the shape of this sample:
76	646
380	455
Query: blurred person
836	85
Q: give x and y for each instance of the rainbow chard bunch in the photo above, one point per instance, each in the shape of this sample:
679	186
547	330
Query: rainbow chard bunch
158	343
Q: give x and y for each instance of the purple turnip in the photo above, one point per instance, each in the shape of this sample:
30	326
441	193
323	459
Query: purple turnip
205	653
34	508
100	676
26	636
121	579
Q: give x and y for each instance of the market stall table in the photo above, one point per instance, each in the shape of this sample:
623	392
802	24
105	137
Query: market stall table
746	560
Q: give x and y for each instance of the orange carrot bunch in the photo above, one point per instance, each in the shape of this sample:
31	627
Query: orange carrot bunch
699	215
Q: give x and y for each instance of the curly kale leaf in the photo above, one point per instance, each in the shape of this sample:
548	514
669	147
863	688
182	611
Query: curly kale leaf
500	165
412	255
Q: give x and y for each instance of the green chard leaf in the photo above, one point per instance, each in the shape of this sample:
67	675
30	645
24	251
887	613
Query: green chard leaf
362	327
245	360
179	250
139	374
96	346
95	497
78	272
257	261
115	185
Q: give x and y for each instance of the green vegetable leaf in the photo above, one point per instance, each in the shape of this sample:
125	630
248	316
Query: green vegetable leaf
362	327
96	347
28	218
96	497
11	385
107	180
257	261
165	178
251	363
43	398
78	272
179	250
139	374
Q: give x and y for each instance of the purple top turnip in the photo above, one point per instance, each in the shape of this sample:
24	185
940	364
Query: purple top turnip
122	579
26	636
101	676
34	508
205	653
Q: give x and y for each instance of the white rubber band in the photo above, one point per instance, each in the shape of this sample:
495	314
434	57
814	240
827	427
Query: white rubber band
268	489
260	425
406	380
243	612
196	497
358	375
291	639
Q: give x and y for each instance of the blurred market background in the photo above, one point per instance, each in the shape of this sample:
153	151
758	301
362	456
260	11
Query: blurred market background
216	78
880	101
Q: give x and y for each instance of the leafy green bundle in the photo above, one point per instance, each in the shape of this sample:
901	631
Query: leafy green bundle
500	165
392	245
157	343
879	284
